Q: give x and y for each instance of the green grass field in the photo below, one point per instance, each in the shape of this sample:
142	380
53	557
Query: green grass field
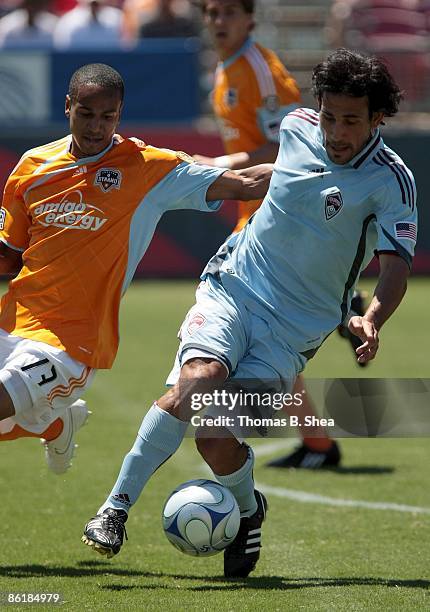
316	555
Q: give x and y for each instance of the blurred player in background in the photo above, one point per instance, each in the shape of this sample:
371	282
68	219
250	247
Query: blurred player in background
77	216
252	91
276	290
252	94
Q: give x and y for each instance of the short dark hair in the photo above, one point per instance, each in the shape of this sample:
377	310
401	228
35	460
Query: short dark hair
354	74
247	5
96	74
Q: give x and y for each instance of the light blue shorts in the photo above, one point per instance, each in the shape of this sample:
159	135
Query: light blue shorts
245	343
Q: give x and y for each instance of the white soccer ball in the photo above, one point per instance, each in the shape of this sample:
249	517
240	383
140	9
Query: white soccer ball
201	518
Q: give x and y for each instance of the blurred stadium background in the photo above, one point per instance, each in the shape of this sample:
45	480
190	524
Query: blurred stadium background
168	81
337	554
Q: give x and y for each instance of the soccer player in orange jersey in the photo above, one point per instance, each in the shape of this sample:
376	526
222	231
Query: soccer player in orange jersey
76	218
252	93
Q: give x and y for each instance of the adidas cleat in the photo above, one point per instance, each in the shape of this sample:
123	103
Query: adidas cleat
306	458
59	452
241	556
105	532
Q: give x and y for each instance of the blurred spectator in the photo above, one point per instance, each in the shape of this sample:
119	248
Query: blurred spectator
169	21
92	24
395	30
29	26
6	6
62	6
136	13
378	24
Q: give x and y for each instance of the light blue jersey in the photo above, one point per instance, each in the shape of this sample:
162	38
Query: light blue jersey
298	259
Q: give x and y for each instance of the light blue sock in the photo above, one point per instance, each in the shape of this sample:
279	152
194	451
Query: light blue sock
159	436
241	484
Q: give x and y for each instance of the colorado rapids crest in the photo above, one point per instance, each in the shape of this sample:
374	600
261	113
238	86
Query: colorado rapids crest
333	204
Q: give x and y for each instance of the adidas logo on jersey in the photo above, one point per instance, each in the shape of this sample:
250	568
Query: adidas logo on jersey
80	170
70	212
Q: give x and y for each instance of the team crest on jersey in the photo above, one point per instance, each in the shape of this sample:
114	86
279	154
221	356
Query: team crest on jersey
231	97
333	204
108	178
228	132
2	218
196	321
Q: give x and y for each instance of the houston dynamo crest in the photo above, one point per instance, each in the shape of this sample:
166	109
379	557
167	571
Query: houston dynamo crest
333	204
108	178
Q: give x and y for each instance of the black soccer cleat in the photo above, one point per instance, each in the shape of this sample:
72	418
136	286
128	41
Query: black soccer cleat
357	308
105	532
306	458
241	556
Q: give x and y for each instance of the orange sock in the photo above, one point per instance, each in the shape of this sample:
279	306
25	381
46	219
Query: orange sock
319	445
52	432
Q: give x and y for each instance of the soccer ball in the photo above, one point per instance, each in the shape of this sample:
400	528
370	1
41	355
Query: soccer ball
201	518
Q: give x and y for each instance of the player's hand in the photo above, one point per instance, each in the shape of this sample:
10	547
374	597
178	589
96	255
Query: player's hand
368	333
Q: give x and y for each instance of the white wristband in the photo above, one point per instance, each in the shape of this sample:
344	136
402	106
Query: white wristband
223	161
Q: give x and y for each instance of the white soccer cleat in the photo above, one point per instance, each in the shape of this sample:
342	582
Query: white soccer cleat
59	452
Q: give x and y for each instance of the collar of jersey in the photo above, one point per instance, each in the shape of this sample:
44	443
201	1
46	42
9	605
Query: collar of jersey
92	158
371	148
230	60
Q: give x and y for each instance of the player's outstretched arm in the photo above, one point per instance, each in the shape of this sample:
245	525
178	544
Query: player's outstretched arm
266	154
10	261
388	294
248	184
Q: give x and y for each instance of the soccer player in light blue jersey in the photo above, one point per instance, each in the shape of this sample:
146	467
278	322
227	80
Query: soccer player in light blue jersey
274	292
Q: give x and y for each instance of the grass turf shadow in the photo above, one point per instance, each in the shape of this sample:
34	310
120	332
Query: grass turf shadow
93	568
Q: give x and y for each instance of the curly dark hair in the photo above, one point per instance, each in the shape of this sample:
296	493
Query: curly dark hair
353	74
97	74
247	5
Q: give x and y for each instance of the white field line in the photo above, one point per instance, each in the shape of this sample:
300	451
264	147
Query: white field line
313	498
262	450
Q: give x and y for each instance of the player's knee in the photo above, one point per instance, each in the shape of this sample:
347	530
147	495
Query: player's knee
198	376
204	369
7	408
14	395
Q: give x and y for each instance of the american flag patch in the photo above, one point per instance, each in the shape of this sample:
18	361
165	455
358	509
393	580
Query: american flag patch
406	230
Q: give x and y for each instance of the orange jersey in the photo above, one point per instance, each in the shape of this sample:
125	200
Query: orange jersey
82	226
252	93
